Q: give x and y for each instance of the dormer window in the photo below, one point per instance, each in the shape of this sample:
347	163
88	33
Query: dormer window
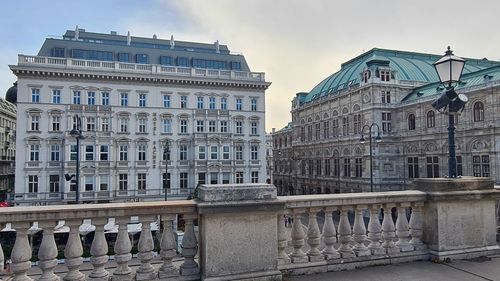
385	75
366	76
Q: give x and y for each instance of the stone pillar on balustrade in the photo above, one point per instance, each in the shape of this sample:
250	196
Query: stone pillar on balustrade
238	232
459	216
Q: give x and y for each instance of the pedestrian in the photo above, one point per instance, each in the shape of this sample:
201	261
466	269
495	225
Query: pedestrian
290	221
286	220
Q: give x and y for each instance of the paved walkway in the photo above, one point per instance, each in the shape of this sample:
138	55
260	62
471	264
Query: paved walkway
480	269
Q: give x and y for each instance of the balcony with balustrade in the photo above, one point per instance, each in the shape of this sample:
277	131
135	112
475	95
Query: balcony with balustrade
243	232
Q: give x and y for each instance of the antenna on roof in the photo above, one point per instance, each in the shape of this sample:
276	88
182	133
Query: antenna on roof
217	49
77	33
128	38
172	43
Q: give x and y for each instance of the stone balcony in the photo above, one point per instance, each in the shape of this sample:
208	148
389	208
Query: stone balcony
242	233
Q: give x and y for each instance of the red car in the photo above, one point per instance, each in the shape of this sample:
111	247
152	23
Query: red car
4	204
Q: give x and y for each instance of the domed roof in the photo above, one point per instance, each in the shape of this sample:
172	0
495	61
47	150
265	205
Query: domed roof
407	66
11	94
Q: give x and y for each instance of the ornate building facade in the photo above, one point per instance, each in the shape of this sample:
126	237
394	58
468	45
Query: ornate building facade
133	98
7	148
320	151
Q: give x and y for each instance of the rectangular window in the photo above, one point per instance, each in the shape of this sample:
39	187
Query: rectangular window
183	152
89	153
386	97
89	183
141	152
55	152
357	124
358	167
254	104
225	152
223	103
253	128
214	153
239	152
123	99
142	100
165	178
239	127
91	55
183	180
166	101
34	152
318	131
123	57
183	129
236	65
239	177
385	75
481	165
255	177
211	103
123	152
202	152
165	60
200	126
103	183
432	166
226	178
122	182
254	152
202	178
105	124
35	95
123	125
184	101
105	98
167	126
214	178
141	181
239	104
142	125
182	61
413	170
77	97
104	153
32	184
335	127
56	96
309	133
327	167
91	124
91	98
326	129
223	126
54	183
58	52
347	167
345	126
56	123
72	152
141	58
386	121
212	126
200	102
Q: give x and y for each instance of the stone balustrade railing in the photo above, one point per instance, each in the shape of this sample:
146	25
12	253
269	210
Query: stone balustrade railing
373	235
47	217
115	66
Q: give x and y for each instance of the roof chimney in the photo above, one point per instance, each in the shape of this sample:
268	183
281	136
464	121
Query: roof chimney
172	43
128	38
77	33
217	49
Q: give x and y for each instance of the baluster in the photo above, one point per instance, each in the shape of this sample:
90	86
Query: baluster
329	236
375	231
189	247
388	233
298	235
345	234
73	252
47	253
99	250
416	226
122	251
283	257
314	236
146	271
168	248
21	252
359	232
402	229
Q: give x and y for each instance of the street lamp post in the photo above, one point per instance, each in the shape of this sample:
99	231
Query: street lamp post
377	139
449	69
166	152
76	132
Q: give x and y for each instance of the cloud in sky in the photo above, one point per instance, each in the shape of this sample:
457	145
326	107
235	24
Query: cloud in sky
296	43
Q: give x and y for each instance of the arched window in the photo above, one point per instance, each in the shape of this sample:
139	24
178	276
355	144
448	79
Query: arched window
411	122
431	119
478	111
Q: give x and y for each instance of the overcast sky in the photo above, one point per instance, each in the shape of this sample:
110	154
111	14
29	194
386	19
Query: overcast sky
296	43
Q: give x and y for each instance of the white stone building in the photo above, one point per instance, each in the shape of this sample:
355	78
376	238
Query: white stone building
133	95
320	150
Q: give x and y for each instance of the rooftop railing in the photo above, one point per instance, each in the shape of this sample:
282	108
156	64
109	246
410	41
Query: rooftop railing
137	68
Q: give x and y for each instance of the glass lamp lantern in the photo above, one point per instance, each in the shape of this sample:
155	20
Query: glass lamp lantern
449	68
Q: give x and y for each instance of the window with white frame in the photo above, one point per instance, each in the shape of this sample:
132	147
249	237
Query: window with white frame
123	152
200	102
166	125
34	152
122	182
202	152
239	127
35	122
183	180
211	103
32	183
73	152
105	98
123	99
103	183
238	177
184	101
225	152
166	101
239	104
91	98
141	152
89	183
35	95
142	125
142	100
223	103
255	177
481	165
214	153
141	181
254	104
254	152
183	126
56	123
165	177
123	124
56	96
386	97
89	153
104	152
200	126
91	124
239	152
223	126
54	183
105	124
226	178
183	152
385	75
77	96
253	127
214	178
55	152
212	126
